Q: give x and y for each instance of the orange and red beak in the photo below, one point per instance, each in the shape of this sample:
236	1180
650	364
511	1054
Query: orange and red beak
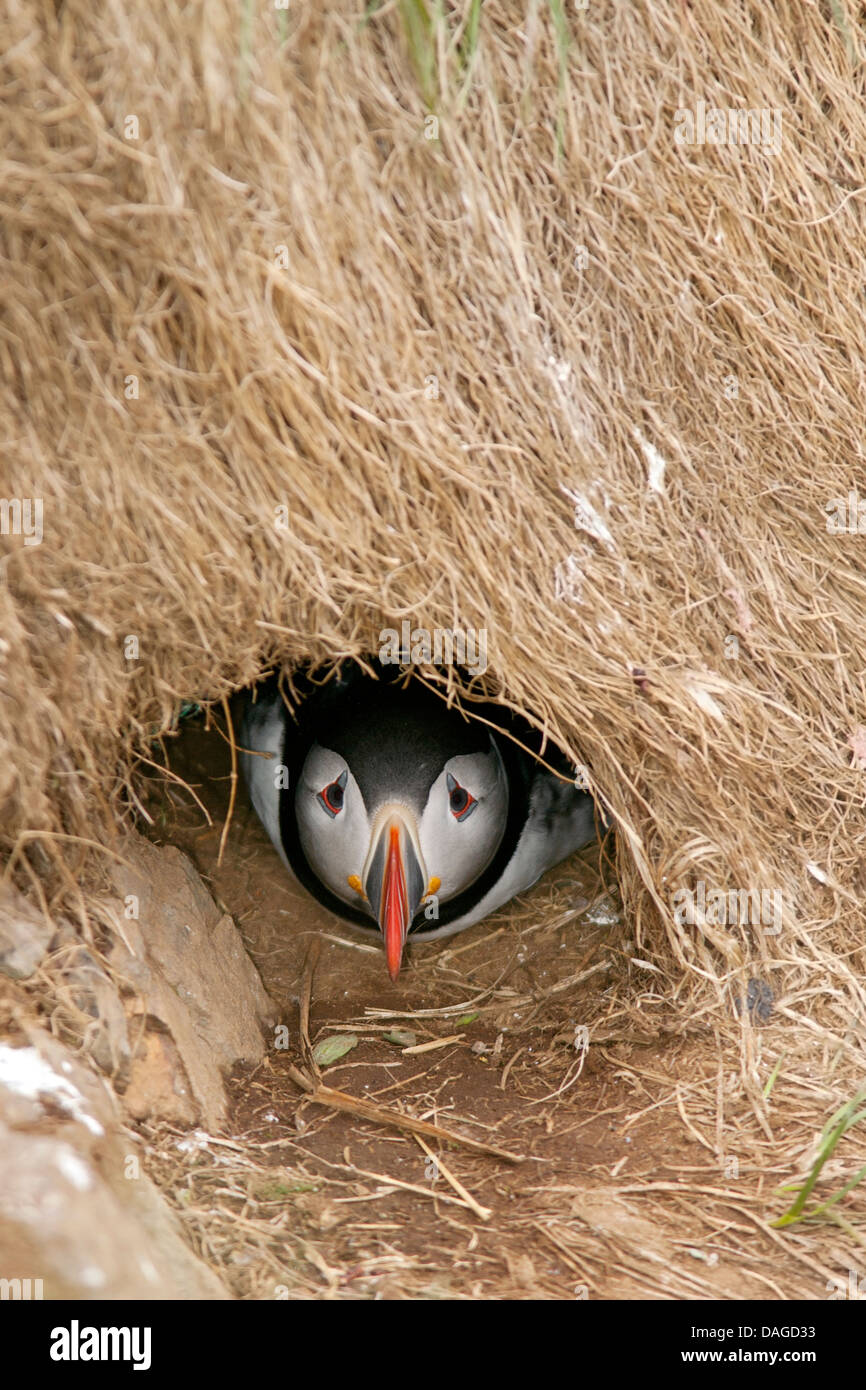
394	884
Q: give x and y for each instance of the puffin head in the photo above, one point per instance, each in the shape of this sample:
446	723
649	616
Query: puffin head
398	801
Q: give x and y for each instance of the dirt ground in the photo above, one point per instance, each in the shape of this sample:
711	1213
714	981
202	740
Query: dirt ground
628	1188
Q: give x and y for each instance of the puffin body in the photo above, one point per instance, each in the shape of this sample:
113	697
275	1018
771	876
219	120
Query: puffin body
400	814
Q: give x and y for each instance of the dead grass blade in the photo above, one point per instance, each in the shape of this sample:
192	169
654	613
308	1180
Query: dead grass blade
378	1114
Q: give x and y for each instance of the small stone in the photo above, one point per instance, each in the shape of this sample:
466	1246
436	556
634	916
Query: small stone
25	936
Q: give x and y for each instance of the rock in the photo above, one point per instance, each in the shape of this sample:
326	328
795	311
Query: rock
25	936
158	1083
77	1211
192	979
89	1004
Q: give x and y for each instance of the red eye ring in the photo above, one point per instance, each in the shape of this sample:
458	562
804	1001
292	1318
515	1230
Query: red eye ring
461	802
331	796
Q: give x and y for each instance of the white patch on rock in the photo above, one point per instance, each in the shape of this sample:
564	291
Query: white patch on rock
26	1072
73	1168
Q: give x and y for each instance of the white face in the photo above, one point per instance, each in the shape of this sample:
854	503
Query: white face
464	820
456	837
336	841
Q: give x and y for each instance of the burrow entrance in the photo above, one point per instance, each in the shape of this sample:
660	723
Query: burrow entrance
537	1031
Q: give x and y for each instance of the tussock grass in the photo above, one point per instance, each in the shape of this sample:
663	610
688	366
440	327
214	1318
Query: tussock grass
649	388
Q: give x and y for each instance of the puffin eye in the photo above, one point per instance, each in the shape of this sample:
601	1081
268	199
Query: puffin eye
461	801
331	796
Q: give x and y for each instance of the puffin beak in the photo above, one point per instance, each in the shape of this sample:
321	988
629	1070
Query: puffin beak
394	881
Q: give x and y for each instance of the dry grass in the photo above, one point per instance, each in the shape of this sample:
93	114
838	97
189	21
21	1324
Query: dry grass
281	487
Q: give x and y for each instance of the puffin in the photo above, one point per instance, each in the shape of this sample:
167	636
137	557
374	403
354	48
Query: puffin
396	811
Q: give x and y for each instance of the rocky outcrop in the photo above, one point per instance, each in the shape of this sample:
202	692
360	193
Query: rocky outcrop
79	1217
164	1001
196	1005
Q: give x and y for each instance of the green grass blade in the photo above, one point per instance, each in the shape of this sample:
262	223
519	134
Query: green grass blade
774	1076
420	34
469	43
845	1118
843	1192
